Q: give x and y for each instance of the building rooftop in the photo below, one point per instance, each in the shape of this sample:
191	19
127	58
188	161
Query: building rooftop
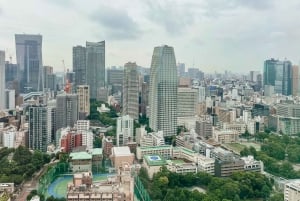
97	151
176	162
121	151
155	160
156	147
80	155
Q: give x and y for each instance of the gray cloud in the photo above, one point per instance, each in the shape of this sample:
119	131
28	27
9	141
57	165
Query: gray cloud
63	3
117	23
216	8
174	17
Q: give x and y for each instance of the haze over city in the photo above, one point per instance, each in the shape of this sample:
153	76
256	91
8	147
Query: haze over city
213	35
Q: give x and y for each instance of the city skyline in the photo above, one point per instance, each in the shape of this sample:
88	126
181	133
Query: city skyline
204	34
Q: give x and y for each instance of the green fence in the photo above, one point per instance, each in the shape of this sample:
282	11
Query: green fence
51	175
140	191
62	168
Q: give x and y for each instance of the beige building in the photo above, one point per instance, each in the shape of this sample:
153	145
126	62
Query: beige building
83	92
153	164
292	190
225	136
181	167
121	155
118	187
187	102
206	164
295	81
164	151
80	162
131	90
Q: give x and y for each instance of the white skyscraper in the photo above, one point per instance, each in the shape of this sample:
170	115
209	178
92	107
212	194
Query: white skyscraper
9	139
131	91
40	121
124	130
2	80
163	91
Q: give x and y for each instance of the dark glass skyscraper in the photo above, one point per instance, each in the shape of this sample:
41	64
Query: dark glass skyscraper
278	74
29	59
79	65
95	67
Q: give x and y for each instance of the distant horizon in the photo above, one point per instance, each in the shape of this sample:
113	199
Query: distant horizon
213	35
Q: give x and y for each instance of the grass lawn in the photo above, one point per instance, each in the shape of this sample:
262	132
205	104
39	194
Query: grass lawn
255	145
235	147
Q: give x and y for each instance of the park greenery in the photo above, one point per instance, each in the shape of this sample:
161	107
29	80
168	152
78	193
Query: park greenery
278	153
171	186
17	165
105	118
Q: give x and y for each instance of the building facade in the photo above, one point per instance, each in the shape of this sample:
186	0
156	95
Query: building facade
279	74
131	91
83	92
124	130
163	91
79	65
39	135
292	190
95	66
187	102
66	110
2	80
29	59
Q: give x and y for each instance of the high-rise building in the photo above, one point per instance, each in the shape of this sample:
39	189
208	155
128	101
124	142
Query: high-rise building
296	81
10	99
204	127
278	74
11	72
95	66
131	91
83	92
66	110
115	76
2	80
29	59
163	91
144	98
195	73
115	79
253	76
181	69
79	64
124	130
39	135
187	102
49	78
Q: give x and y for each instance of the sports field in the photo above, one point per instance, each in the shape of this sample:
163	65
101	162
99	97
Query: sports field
58	188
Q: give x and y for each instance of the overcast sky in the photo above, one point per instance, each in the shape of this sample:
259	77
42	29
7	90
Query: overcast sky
213	35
